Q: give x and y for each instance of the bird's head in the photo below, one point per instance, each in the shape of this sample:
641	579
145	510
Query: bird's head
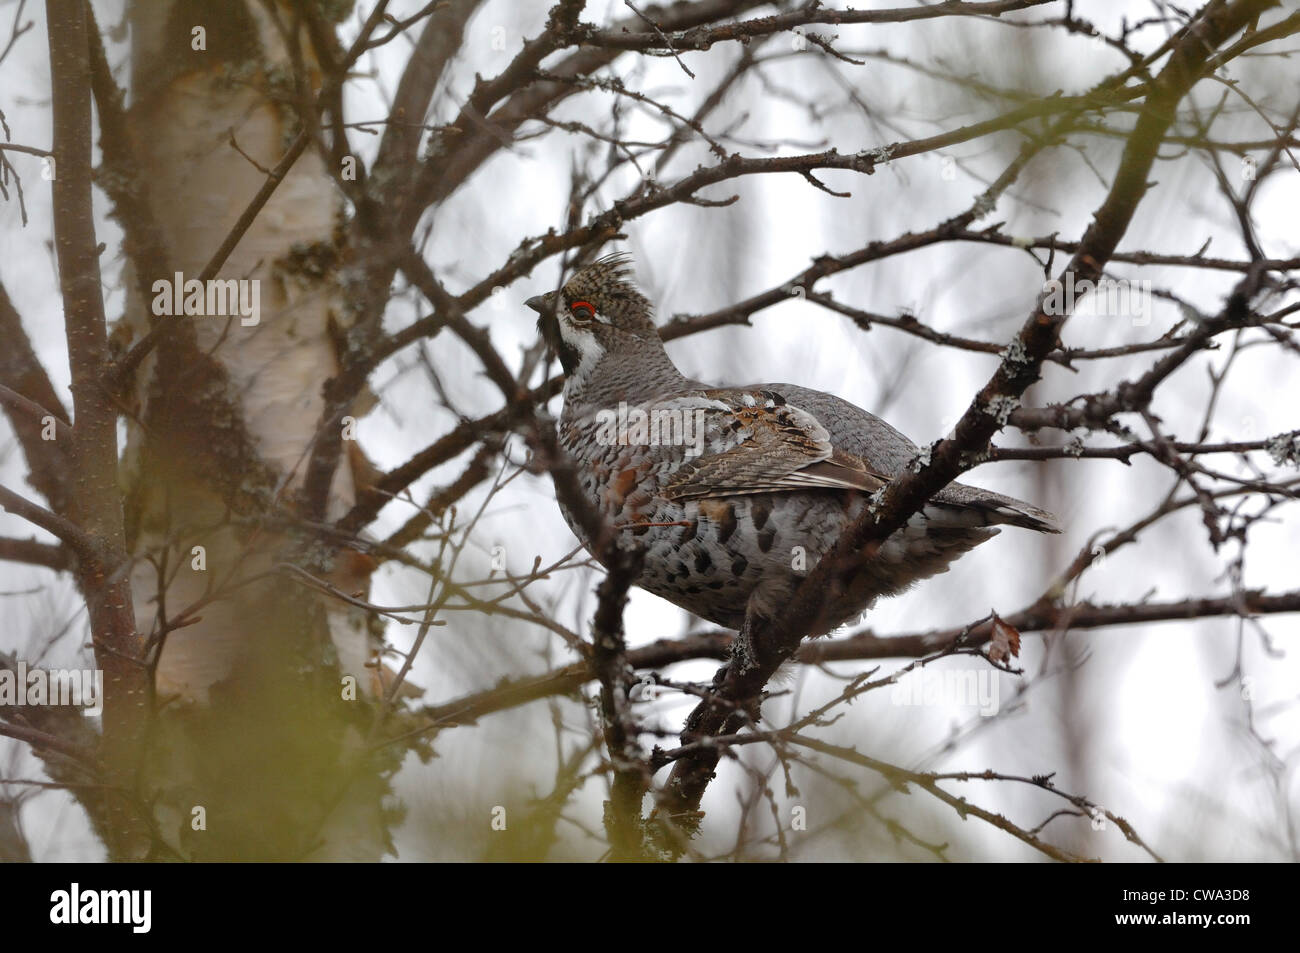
598	310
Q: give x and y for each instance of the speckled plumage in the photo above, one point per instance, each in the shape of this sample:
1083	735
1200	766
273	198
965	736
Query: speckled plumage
735	493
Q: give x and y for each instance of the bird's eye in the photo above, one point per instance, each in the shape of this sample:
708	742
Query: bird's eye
582	310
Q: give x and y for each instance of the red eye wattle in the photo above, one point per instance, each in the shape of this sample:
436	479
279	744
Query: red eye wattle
578	307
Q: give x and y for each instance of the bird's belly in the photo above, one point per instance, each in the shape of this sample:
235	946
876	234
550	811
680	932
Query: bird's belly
719	558
711	557
714	560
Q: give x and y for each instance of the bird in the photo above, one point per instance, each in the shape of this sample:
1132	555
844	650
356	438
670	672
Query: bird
734	493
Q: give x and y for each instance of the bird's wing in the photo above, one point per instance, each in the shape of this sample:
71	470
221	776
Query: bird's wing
757	442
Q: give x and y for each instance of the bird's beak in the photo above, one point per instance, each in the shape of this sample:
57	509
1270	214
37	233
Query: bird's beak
547	323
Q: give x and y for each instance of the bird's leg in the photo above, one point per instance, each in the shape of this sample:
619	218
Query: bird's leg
744	658
743	654
694	725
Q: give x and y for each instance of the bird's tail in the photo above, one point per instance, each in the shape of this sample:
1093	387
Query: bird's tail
971	505
1015	513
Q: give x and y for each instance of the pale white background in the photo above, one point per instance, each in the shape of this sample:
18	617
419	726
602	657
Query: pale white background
1138	725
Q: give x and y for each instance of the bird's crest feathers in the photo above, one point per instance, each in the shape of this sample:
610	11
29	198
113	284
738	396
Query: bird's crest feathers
608	284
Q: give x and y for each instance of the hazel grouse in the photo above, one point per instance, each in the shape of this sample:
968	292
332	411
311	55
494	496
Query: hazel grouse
736	492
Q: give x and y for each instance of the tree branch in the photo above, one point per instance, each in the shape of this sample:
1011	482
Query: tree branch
775	640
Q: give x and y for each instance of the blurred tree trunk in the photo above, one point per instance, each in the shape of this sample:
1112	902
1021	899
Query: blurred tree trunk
257	748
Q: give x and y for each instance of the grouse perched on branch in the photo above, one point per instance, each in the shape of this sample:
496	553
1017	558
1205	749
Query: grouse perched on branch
736	492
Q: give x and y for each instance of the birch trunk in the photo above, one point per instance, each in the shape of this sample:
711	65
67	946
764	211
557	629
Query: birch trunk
258	749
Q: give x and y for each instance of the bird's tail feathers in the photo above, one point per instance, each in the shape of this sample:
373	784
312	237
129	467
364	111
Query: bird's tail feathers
993	509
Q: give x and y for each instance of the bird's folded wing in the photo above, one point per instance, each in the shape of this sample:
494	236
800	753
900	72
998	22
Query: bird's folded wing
758	443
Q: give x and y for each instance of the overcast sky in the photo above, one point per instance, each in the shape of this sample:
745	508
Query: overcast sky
1140	727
